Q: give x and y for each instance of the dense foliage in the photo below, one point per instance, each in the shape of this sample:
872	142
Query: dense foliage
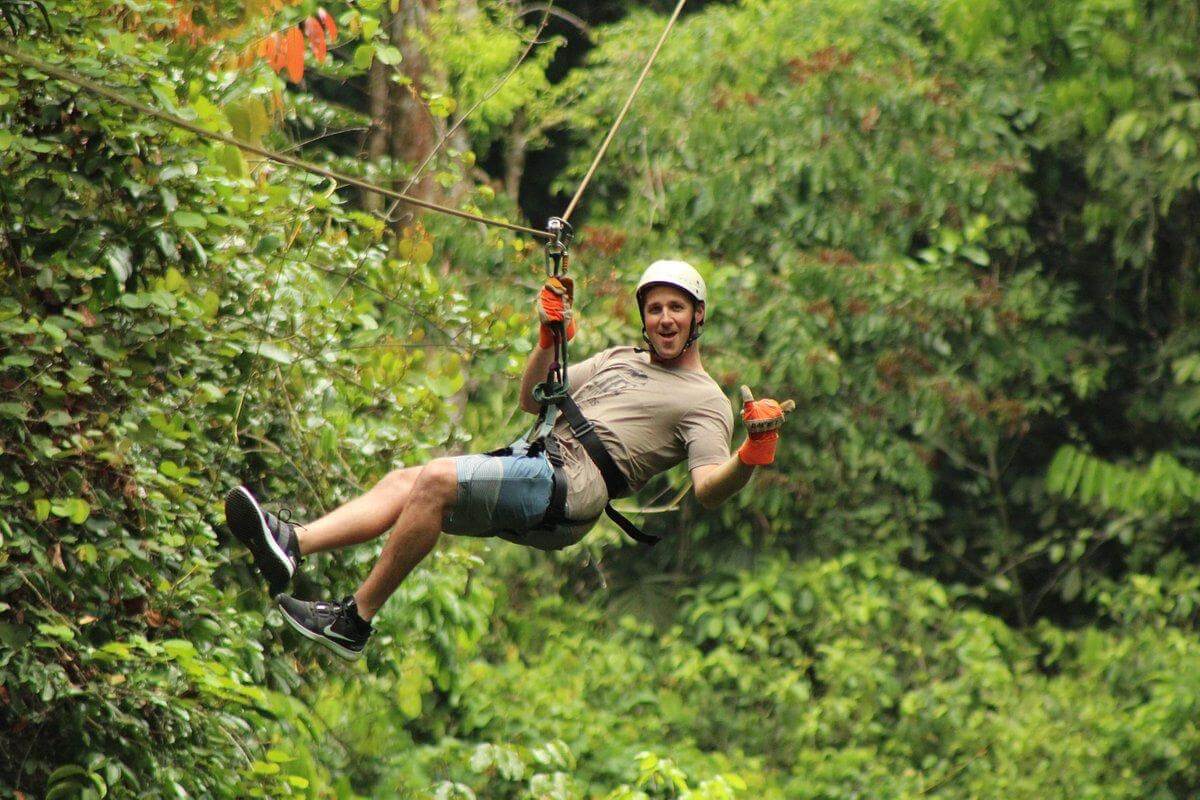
957	233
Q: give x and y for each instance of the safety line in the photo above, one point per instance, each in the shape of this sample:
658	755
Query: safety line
170	119
566	215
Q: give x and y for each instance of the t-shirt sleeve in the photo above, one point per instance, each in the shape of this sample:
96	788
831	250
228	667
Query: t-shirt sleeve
581	373
707	431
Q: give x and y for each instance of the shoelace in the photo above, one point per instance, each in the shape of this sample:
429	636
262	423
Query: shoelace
284	517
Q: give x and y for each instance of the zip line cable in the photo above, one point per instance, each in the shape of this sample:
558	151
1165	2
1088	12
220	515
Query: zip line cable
178	122
566	215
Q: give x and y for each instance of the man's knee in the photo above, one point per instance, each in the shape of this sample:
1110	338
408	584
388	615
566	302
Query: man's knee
437	482
400	481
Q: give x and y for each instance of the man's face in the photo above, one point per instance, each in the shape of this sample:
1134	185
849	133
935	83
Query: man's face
667	313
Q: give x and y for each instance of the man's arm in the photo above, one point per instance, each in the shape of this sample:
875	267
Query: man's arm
553	304
535	373
716	483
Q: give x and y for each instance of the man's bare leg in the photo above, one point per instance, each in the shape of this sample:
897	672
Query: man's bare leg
415	534
363	518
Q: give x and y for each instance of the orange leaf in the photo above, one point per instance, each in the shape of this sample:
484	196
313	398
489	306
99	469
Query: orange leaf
328	24
275	51
316	38
294	60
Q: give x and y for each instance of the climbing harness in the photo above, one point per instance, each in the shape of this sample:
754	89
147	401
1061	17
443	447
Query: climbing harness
553	396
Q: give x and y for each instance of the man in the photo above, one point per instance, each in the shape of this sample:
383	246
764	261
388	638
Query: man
651	410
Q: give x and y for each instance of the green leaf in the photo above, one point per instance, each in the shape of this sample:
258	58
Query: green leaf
17	360
190	219
364	54
179	648
57	418
278	756
120	262
79	510
387	54
274	353
56	333
441	106
975	254
197	248
14	410
57	631
1071	584
68	771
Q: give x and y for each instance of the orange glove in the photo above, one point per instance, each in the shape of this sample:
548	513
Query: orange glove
762	419
554	304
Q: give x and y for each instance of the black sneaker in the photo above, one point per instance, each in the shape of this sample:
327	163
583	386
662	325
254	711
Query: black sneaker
272	541
335	625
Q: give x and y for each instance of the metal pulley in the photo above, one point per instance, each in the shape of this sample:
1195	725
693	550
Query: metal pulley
558	246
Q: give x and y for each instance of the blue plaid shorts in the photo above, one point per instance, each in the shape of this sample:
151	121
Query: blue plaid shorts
505	496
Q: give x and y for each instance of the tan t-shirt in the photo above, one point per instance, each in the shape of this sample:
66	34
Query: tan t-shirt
648	416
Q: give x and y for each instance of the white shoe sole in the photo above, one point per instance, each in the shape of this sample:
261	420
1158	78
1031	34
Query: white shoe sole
349	655
266	544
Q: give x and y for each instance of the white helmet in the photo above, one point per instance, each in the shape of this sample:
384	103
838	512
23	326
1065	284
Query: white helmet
681	275
674	273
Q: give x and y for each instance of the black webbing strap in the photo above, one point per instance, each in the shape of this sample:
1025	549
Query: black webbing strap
633	531
614	479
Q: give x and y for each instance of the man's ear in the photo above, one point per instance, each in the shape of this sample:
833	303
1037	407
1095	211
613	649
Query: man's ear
699	313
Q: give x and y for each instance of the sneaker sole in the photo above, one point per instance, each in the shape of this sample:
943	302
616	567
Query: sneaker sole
349	655
246	521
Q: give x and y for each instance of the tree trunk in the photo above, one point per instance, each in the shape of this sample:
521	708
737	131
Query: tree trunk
414	130
379	134
514	155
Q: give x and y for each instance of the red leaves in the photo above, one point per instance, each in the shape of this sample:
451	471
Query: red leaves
328	24
316	38
285	50
282	50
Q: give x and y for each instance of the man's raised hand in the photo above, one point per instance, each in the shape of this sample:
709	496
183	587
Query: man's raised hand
554	304
762	419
